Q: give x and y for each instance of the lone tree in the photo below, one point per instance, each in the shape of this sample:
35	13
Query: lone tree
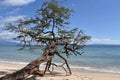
49	28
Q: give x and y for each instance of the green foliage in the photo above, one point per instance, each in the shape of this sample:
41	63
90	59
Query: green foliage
53	11
49	26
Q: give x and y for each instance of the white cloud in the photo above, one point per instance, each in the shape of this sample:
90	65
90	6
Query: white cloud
14	11
9	19
16	2
103	41
6	35
12	18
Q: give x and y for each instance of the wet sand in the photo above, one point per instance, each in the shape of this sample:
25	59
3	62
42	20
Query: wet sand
59	74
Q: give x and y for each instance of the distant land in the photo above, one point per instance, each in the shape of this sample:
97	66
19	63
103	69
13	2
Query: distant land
7	43
103	44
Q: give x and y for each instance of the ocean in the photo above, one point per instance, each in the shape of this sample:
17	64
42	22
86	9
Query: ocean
96	58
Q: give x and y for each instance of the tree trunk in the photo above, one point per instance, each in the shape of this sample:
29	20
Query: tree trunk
31	69
65	61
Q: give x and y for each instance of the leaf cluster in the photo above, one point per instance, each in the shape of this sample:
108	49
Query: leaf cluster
50	26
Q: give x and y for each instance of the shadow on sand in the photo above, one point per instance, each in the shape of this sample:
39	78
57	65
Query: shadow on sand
33	77
3	72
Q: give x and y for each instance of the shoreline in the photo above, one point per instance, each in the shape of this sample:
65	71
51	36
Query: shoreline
75	68
59	74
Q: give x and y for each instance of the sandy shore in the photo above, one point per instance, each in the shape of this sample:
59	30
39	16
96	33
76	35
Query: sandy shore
60	75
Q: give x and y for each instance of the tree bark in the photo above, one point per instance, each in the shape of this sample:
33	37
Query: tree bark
31	69
65	63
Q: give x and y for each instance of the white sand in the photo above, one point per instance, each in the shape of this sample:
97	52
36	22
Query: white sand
60	74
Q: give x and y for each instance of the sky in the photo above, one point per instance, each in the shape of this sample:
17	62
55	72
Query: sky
98	18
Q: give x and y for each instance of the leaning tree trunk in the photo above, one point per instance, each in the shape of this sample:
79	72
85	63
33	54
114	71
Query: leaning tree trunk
31	69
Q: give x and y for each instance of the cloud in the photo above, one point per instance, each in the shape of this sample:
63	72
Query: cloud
12	18
16	2
6	35
14	11
104	41
9	19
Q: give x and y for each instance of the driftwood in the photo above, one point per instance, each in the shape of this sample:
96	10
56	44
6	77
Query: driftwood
49	63
33	67
50	28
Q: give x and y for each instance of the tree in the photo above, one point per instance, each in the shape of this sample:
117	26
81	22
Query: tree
49	28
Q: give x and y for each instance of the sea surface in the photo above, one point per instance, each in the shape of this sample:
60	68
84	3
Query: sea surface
96	58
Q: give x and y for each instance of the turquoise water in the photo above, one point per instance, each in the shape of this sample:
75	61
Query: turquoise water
96	58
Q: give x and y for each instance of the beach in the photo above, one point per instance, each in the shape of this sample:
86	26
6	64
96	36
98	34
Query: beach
97	63
59	74
78	36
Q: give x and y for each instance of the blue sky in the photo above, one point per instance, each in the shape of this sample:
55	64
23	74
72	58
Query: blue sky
98	18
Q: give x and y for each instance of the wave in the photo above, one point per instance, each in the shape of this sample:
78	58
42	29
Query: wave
14	62
96	69
75	67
